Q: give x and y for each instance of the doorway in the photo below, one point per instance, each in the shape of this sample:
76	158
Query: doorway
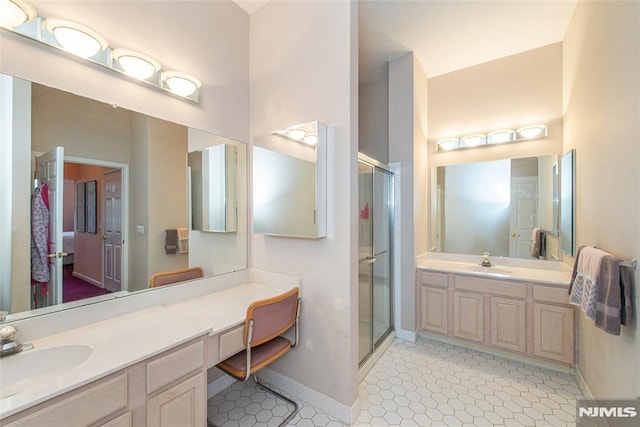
375	237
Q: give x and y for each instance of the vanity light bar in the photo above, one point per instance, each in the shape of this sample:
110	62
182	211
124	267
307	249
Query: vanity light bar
299	134
496	137
82	41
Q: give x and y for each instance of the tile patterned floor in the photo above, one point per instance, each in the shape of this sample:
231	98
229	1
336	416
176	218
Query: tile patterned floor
426	383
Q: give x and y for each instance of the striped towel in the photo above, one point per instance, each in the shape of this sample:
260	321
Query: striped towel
584	285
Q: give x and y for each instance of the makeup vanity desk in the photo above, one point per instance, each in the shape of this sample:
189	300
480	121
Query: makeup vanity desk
146	367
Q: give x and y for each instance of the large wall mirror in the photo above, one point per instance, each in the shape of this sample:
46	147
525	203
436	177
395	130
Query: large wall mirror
138	166
567	204
494	206
290	182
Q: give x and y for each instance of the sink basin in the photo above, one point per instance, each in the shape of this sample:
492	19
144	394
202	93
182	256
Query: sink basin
490	271
19	372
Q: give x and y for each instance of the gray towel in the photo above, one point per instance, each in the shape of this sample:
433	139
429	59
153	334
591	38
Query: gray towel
613	307
538	240
171	241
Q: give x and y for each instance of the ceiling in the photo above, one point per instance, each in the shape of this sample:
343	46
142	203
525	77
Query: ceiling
452	35
449	35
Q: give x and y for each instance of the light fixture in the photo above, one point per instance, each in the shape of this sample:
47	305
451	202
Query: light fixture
494	137
180	83
15	12
310	139
296	133
473	140
448	144
500	136
22	19
76	38
530	132
135	64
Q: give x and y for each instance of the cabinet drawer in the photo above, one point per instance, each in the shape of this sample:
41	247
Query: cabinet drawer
489	286
231	342
81	409
166	369
123	420
550	294
433	279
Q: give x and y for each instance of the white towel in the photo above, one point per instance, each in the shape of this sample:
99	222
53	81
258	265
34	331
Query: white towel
584	290
183	240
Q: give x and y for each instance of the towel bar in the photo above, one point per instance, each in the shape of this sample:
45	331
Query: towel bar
632	263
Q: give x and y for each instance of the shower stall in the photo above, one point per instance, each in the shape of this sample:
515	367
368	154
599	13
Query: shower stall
375	238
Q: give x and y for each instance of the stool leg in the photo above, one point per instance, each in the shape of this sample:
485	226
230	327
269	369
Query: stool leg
272	391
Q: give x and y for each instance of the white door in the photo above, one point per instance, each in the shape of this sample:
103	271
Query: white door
50	167
523	215
112	229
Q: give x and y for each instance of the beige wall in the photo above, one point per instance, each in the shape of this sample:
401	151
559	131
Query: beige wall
602	123
302	69
373	119
519	90
166	192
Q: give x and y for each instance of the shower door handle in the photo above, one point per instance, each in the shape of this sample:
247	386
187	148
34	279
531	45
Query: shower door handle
368	260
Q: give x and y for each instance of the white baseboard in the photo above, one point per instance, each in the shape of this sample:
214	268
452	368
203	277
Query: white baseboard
219	384
329	406
87	279
558	367
405	335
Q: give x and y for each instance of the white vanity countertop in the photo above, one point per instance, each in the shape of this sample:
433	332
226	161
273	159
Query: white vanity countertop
557	276
125	340
224	309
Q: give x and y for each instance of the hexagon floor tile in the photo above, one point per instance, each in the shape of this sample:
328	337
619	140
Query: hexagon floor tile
446	386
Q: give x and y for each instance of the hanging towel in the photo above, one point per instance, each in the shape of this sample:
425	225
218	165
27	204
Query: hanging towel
538	241
183	241
613	307
584	285
39	237
171	241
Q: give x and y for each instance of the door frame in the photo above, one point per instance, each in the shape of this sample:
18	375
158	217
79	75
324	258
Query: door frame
375	164
125	209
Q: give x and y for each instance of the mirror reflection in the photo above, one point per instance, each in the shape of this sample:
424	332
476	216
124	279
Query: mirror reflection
116	204
495	206
567	208
289	182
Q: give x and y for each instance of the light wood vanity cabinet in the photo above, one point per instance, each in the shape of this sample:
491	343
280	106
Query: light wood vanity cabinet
531	319
166	390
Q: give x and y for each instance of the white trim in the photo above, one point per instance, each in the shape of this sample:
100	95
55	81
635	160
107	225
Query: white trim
405	335
377	354
87	279
343	413
558	367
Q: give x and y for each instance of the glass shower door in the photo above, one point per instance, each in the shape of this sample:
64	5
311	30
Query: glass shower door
375	201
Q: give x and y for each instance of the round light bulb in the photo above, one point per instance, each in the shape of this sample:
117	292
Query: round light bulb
76	38
135	64
180	84
296	133
14	13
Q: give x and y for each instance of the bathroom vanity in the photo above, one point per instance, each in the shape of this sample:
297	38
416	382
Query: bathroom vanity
147	367
521	309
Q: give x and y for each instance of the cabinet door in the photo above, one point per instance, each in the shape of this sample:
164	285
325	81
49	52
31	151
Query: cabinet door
553	332
123	420
182	405
508	329
468	316
434	309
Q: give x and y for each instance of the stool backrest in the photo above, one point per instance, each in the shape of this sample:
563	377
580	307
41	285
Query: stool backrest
271	317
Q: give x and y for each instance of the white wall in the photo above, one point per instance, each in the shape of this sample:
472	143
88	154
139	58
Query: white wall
373	120
601	64
302	69
207	39
519	90
408	147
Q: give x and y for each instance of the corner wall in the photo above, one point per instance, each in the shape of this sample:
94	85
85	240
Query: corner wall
601	104
302	69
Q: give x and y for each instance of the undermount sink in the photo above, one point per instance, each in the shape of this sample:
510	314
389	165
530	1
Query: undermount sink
493	271
24	370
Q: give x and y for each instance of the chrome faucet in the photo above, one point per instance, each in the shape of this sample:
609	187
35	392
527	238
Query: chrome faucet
9	344
485	260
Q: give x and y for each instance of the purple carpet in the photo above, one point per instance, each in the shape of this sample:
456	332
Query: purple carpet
74	288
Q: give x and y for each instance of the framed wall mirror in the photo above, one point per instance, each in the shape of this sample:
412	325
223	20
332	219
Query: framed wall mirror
290	182
494	206
567	204
137	167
